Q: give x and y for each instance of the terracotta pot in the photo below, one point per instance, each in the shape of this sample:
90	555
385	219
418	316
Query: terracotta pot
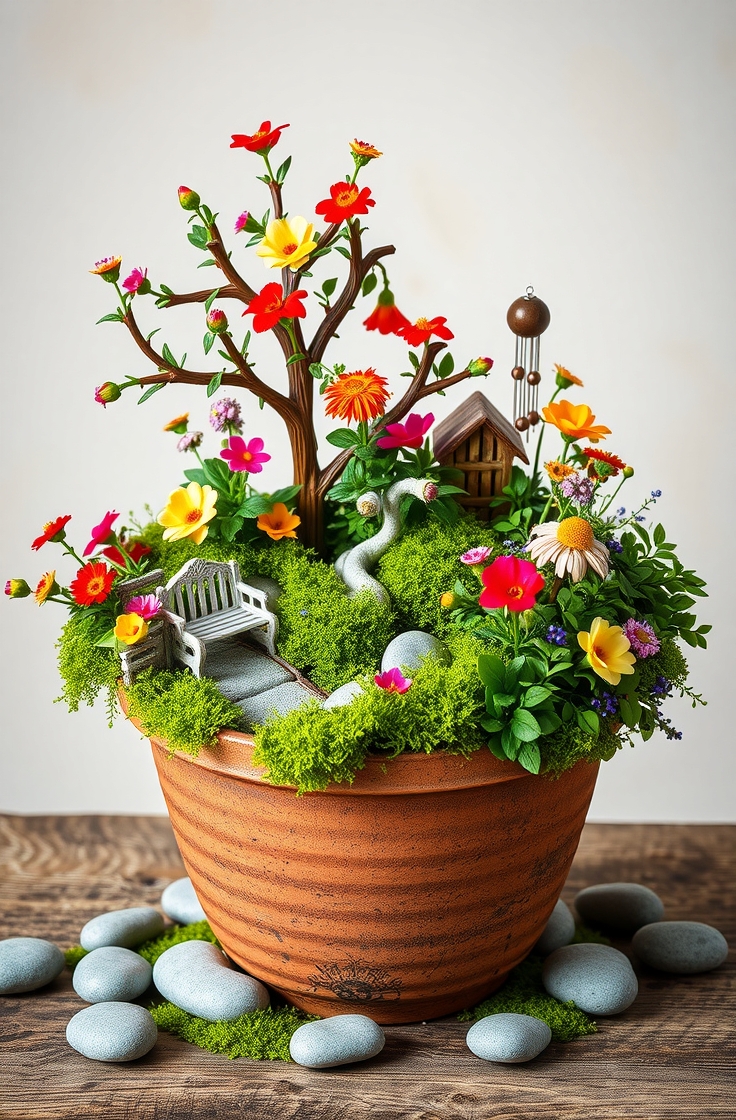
408	895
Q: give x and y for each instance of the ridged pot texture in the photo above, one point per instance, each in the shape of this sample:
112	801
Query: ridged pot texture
406	896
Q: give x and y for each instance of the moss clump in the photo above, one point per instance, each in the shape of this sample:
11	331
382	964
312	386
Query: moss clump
524	994
424	563
568	745
85	669
195	931
313	746
669	663
584	935
73	956
185	710
259	1035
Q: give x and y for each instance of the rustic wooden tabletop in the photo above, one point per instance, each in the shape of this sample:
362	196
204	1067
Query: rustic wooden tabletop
672	1054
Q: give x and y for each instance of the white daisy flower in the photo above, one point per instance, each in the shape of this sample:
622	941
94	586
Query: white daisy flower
569	545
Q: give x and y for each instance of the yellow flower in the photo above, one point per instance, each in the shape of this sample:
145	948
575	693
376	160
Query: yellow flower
607	648
279	522
188	510
364	150
288	243
575	421
47	585
564	378
557	470
130	628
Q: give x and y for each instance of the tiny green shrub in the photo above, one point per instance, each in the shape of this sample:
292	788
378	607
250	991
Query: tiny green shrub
569	744
423	563
85	669
185	710
73	956
259	1035
669	663
195	931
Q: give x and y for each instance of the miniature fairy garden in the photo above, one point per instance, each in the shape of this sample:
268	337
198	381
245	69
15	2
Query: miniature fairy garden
414	590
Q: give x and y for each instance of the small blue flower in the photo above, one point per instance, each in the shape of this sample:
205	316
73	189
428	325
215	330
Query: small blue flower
656	494
303	612
639	517
614	546
556	636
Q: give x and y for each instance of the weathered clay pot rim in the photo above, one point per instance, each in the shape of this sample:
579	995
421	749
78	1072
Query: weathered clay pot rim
410	773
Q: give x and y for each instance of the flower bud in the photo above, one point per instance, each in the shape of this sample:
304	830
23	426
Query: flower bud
448	600
107	392
241	221
627	472
216	321
479	366
17	589
188	198
108	268
189	441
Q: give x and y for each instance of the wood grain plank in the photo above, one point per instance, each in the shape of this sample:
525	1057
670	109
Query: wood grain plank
670	1055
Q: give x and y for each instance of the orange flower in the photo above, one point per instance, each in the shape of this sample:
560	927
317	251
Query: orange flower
279	523
608	464
178	424
575	421
564	378
47	585
361	395
364	150
557	470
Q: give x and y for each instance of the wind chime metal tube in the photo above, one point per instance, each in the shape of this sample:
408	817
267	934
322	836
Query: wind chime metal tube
528	317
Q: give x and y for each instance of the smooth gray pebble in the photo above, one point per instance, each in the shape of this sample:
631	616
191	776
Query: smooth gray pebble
619	906
408	651
508	1037
127	928
27	963
598	978
112	1032
180	903
684	947
196	976
559	931
111	974
336	1041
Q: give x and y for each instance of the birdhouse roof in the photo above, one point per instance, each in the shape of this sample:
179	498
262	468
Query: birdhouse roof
472	414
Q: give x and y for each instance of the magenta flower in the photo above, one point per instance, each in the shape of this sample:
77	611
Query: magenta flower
102	533
475	556
240	222
244	456
393	680
409	434
642	638
138	282
146	606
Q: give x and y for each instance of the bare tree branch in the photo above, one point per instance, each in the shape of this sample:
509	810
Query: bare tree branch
281	404
227	291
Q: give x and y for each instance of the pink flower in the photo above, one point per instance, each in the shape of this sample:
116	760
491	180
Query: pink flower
393	680
137	282
642	638
409	434
146	606
244	456
240	222
511	582
476	556
101	533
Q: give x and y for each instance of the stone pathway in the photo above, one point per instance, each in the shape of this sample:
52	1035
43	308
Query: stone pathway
254	681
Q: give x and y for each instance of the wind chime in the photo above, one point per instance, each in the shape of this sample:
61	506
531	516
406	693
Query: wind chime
528	317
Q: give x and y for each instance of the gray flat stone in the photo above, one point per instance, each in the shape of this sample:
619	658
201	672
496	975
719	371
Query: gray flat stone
241	672
508	1037
111	974
336	1041
408	650
27	963
597	978
559	931
112	1032
683	947
196	976
284	698
343	695
128	928
180	903
619	906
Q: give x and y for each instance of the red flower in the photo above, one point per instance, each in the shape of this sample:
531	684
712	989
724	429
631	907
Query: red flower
135	551
92	584
421	331
269	307
345	202
511	582
386	316
409	434
610	464
51	530
101	533
261	141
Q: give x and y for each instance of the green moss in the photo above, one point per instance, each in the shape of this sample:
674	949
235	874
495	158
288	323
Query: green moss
424	563
259	1035
584	935
313	746
73	956
568	745
85	669
195	931
524	994
185	710
669	663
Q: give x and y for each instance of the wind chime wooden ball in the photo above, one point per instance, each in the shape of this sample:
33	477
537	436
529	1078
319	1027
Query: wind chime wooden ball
528	317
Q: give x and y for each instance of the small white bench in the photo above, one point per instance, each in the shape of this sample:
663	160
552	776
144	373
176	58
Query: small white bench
153	650
206	602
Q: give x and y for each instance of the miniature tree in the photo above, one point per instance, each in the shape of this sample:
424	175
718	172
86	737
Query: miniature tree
289	243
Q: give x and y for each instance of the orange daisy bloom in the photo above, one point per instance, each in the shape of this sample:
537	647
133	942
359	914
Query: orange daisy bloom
279	523
178	424
92	584
565	378
364	150
47	585
557	470
108	268
575	421
612	463
361	395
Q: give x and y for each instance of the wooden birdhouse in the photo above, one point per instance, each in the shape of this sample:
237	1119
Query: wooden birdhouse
479	441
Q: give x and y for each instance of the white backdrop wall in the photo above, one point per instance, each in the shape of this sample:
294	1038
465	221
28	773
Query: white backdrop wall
585	148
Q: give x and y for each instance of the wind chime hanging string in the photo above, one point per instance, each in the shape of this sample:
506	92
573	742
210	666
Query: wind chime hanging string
528	317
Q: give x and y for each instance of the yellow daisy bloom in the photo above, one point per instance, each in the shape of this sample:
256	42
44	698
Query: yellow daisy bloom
557	470
569	545
188	510
130	628
47	585
607	648
288	243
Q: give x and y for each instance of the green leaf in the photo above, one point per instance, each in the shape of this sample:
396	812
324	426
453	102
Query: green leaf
630	710
255	506
659	535
207	264
208	341
328	288
548	721
108	640
343	437
168	356
567	712
530	758
499	700
211	299
588	721
113	317
369	284
151	390
217	473
283	170
491	671
535	695
295	358
342	250
286	494
446	366
196	474
491	724
317	370
215	383
494	746
525	726
229	526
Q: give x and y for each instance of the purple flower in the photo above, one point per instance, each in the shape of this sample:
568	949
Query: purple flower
189	441
661	687
146	606
642	638
639	517
578	488
476	556
556	636
621	511
607	705
614	546
225	416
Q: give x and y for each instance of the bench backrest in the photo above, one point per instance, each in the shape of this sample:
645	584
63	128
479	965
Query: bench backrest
203	587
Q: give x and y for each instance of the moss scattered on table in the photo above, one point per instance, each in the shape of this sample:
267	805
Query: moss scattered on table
195	931
260	1035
